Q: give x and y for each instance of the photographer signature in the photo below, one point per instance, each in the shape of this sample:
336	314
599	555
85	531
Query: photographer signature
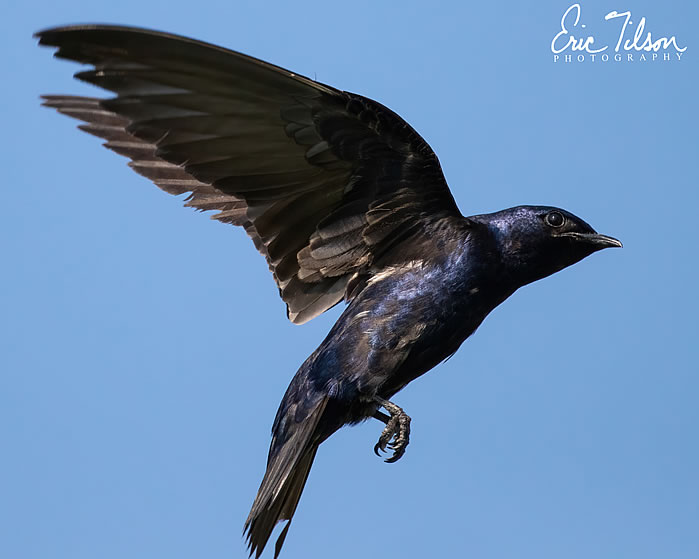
564	39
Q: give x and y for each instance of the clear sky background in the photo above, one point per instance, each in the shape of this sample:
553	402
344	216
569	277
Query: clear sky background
144	349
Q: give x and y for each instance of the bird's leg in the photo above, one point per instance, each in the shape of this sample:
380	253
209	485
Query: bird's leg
382	416
396	435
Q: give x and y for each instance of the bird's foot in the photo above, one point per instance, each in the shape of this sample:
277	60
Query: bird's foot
396	435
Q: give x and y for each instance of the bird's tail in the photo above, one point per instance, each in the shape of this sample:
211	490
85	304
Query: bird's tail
288	466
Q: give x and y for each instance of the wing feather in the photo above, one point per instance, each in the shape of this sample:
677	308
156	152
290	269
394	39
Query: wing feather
326	183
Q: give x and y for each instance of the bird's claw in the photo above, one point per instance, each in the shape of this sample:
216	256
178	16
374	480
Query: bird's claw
396	434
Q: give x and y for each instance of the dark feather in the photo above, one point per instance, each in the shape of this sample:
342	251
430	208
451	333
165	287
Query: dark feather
310	172
288	466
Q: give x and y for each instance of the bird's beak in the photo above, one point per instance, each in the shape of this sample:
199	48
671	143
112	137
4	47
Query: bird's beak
600	241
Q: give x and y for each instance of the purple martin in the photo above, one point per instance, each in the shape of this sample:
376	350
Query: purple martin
345	201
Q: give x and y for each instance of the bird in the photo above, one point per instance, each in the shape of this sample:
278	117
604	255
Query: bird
345	201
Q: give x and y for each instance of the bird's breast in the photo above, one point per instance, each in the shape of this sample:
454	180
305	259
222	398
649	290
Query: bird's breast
409	319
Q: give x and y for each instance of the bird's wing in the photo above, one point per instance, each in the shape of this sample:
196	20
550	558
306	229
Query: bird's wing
325	182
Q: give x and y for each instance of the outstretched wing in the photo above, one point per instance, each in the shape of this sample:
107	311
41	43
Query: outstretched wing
326	183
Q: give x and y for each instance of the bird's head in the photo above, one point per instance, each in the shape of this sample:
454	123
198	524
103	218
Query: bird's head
537	241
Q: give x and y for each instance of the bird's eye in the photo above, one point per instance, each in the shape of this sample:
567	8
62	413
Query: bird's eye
555	219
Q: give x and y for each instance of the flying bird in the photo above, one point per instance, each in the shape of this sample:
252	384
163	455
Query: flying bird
345	201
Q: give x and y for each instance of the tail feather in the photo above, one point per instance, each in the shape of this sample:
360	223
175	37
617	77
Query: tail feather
281	488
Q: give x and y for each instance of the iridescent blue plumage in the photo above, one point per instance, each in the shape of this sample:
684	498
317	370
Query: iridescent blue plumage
408	319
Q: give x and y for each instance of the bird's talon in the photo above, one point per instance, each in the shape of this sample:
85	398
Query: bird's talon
396	435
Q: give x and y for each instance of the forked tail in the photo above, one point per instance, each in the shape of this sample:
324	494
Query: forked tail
288	466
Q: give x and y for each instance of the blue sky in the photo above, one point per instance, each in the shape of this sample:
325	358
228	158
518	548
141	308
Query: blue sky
144	348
